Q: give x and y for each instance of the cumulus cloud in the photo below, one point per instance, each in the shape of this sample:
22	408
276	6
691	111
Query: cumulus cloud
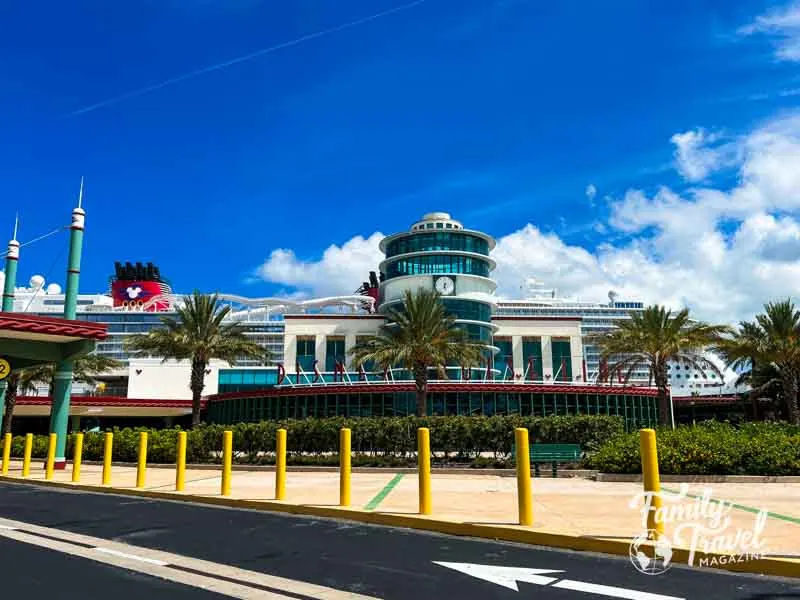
721	252
782	25
339	271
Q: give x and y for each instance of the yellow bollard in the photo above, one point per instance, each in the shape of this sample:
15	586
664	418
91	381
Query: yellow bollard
344	467
280	465
424	465
77	457
26	458
652	481
227	459
107	449
51	456
180	467
6	452
523	460
141	467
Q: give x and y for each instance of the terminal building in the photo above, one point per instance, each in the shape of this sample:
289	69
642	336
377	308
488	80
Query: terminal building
535	361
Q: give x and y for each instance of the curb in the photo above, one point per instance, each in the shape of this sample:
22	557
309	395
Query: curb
507	533
635	478
565	473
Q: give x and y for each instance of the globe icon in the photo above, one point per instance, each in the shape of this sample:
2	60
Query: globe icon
649	557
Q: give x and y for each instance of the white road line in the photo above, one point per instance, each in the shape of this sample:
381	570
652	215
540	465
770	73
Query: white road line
168	566
608	590
151	561
225	588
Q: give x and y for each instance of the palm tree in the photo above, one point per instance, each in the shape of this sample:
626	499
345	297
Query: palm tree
419	336
768	352
652	339
85	369
199	334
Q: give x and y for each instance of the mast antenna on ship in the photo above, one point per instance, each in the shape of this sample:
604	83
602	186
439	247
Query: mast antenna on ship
80	194
16	226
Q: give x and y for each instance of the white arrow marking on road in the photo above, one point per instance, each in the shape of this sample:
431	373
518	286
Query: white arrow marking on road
509	576
505	576
607	590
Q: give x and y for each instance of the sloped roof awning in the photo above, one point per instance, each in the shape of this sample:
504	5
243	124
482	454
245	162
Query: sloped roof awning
28	340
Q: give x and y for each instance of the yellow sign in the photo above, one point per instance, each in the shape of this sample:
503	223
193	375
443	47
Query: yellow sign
5	369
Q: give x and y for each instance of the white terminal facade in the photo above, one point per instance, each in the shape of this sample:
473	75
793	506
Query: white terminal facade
537	338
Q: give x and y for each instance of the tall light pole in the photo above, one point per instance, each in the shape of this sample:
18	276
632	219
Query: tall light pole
12	258
62	385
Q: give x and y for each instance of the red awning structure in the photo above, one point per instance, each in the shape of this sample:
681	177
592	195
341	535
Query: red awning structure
28	340
107	406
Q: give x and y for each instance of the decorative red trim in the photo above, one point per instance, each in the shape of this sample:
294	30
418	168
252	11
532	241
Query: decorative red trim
524	318
435	387
53	326
116	401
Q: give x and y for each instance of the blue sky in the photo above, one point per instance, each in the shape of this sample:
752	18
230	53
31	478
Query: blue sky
499	111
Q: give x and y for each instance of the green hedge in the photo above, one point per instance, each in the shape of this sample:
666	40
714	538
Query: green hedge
709	448
455	438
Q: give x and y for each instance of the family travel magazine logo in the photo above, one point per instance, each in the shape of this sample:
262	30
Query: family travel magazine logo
698	524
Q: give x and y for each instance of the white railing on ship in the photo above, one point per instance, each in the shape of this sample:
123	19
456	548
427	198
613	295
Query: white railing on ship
383	382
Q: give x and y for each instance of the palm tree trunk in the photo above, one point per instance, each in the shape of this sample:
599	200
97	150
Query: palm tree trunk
662	384
12	386
421	384
196	384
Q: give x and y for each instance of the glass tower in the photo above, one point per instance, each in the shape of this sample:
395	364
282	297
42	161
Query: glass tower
437	253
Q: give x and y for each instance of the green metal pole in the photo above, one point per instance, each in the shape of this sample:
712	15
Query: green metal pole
62	388
12	258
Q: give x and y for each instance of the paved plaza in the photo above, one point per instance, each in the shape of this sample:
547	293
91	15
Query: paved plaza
571	506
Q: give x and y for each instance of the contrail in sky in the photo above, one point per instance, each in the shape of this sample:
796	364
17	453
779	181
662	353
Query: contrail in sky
240	59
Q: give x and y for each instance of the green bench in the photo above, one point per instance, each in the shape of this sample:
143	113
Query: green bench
550	453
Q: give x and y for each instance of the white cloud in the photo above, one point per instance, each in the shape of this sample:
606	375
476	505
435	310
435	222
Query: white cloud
783	26
339	272
698	153
591	192
722	252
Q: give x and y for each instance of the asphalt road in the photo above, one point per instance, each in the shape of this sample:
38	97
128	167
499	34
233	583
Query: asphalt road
369	560
31	572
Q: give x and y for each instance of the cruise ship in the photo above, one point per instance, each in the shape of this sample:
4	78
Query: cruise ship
598	317
138	298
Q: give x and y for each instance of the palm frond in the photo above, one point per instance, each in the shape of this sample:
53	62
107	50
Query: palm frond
421	334
199	332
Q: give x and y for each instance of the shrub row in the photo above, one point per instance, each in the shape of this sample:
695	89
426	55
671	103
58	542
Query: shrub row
451	437
709	448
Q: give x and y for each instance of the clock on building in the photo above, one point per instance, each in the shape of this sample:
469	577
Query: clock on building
445	285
